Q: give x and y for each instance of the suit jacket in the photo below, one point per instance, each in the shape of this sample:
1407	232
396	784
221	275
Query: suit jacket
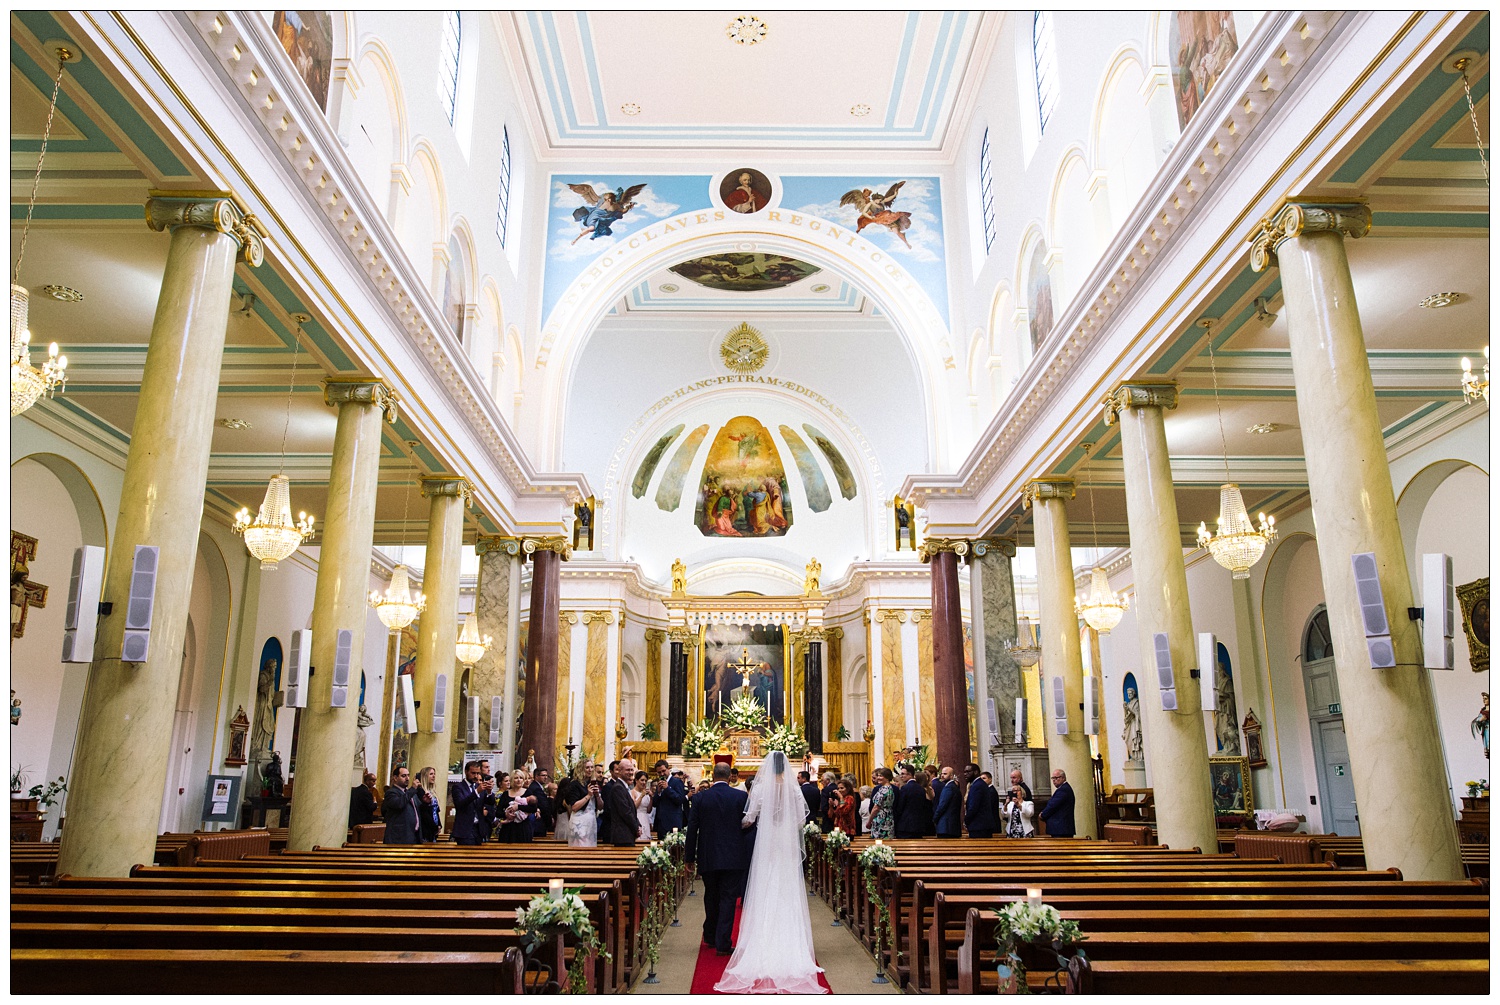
400	816
470	825
814	797
715	839
913	813
620	822
1058	813
361	805
981	809
945	810
825	806
546	813
670	805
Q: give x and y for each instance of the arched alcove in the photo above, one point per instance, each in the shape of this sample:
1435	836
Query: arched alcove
1292	591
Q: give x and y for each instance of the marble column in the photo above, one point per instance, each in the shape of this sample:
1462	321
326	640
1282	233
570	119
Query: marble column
510	729
677	689
950	690
326	744
1400	778
437	631
812	703
539	721
1062	656
1175	743
992	598
494	673
125	725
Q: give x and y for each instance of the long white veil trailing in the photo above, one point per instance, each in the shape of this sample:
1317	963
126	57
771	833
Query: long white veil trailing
774	950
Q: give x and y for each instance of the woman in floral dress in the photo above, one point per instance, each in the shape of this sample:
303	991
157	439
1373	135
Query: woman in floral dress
882	806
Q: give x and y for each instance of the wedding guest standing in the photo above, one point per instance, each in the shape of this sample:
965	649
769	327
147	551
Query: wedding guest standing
469	796
883	806
1058	813
579	796
928	777
516	810
846	806
641	795
401	823
545	817
620	826
946	808
668	801
865	792
362	801
1018	813
810	793
980	815
429	806
913	811
825	798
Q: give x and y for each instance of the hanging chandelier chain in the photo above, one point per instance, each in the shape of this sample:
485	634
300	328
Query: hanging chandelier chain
36	182
291	387
1463	71
1213	367
1093	508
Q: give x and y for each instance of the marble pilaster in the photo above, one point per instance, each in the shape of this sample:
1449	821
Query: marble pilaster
834	673
992	597
654	638
1390	719
594	691
495	672
437	632
125	725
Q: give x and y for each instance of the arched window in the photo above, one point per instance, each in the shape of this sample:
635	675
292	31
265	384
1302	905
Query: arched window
448	62
502	210
1317	644
986	192
1044	64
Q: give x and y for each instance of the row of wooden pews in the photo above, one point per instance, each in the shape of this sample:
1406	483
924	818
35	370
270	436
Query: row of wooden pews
33	863
1159	920
424	919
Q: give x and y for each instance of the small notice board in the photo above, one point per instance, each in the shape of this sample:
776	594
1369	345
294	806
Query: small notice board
221	801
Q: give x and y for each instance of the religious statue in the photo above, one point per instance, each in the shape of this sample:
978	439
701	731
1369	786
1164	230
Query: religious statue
583	528
679	578
1478	728
271	777
362	722
265	712
1134	743
15	708
814	573
1226	714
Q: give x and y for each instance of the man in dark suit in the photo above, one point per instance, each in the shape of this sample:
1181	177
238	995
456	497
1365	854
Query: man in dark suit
469	797
621	826
546	812
913	811
669	800
825	801
810	793
980	813
362	801
398	810
945	805
720	848
1058	813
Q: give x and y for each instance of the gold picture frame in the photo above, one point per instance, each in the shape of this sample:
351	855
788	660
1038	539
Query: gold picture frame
1230	778
1474	604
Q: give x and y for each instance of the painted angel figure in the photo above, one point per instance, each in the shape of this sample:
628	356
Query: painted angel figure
602	211
876	208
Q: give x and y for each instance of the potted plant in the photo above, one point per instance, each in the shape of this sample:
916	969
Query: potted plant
1478	798
48	795
650	731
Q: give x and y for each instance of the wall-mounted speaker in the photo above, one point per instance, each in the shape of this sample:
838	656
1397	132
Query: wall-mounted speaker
473	731
1437	612
1372	610
497	712
81	619
440	703
408	704
1091	705
1166	680
343	657
135	647
1059	706
992	720
298	661
1208	670
142	588
1020	720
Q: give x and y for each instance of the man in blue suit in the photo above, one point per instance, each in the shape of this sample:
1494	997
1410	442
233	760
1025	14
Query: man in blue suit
980	808
945	805
1058	813
669	800
470	825
721	849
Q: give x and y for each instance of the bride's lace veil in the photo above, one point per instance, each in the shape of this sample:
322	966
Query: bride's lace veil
777	806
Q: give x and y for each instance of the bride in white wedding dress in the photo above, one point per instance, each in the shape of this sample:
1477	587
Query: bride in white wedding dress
774	951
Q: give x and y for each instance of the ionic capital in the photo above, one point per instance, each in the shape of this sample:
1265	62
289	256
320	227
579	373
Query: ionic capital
567	617
603	617
560	545
934	545
487	543
921	615
1138	394
656	635
1293	219
1047	488
891	614
682	636
449	486
983	546
361	391
218	211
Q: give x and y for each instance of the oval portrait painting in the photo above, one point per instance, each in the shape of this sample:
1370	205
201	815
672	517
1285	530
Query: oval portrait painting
745	191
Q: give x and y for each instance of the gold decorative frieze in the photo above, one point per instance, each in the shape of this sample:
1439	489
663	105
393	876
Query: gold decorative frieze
1047	488
486	543
361	391
935	545
891	614
1138	394
1293	219
218	211
448	485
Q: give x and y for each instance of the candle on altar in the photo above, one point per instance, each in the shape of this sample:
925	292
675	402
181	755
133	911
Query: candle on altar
1034	895
570	717
554	889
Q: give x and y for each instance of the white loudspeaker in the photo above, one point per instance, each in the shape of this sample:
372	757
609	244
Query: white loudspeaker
1372	610
496	714
473	731
1165	679
440	703
1020	720
343	656
1437	612
81	619
1091	705
408	704
298	662
1208	670
135	647
992	720
1059	706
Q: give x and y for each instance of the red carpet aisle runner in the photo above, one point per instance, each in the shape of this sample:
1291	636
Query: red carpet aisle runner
711	966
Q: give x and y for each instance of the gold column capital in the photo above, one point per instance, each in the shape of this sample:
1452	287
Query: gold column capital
891	614
834	633
361	391
1138	394
567	618
603	617
935	545
656	635
813	634
1047	488
559	544
486	543
448	485
981	547
217	211
682	636
920	615
1289	219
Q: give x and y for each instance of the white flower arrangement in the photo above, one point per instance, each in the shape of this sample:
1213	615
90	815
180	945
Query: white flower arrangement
674	839
702	740
545	916
811	830
788	739
877	855
1025	921
654	856
744	713
834	842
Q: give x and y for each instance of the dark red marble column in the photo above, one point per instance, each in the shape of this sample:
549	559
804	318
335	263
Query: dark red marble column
950	695
539	720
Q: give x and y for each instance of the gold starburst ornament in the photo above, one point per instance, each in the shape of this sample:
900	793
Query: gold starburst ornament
744	350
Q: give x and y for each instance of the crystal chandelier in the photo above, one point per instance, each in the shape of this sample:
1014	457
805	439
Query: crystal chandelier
27	382
1025	648
471	647
272	536
1239	544
1101	608
1475	388
398	606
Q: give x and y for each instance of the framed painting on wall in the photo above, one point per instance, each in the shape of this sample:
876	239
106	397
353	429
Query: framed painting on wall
1231	785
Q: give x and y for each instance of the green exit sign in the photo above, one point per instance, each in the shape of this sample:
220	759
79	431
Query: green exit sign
1336	708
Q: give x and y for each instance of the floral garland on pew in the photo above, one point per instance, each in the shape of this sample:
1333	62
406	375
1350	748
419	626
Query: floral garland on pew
657	860
812	842
1026	922
546	917
834	842
875	857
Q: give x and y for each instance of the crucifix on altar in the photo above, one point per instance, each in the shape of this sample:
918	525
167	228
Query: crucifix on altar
745	667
